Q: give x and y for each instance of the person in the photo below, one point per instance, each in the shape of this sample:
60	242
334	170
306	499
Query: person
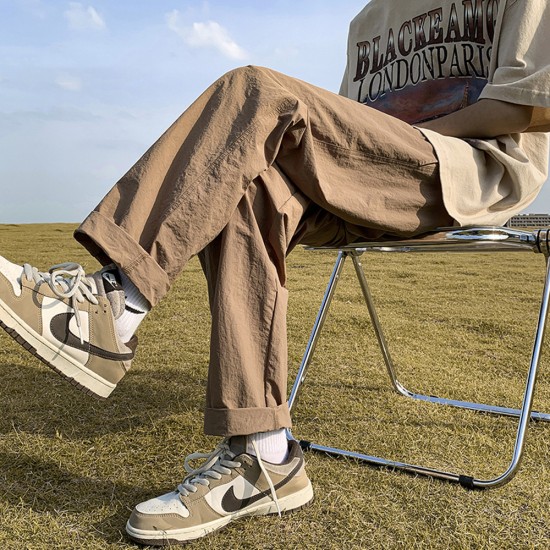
441	120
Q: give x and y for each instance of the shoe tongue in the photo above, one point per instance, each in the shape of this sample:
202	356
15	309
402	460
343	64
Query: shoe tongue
109	285
111	280
237	444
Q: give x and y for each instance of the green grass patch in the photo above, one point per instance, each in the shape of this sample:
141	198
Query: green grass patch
460	326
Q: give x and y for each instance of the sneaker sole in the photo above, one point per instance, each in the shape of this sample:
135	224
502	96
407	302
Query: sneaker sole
59	361
291	503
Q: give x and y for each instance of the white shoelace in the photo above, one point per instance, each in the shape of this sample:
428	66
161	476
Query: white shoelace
66	280
217	463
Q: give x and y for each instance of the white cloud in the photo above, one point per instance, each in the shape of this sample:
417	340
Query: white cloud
206	35
83	18
71	83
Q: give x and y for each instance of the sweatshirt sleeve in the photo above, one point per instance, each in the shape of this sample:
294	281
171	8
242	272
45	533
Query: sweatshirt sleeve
520	68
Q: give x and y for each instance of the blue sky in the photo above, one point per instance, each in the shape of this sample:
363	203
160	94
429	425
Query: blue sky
85	88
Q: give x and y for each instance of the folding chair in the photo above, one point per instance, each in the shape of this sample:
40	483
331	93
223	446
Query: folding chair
472	239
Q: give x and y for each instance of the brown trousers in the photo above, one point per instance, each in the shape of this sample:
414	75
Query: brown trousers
259	163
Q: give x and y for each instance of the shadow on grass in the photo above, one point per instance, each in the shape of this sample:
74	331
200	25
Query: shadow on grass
34	399
44	487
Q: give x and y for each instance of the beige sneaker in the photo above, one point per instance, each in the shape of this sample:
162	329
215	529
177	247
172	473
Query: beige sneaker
226	487
67	320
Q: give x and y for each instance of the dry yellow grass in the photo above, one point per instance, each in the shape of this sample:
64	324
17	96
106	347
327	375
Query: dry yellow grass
71	468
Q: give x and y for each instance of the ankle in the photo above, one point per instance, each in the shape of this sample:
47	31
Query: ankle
272	446
136	308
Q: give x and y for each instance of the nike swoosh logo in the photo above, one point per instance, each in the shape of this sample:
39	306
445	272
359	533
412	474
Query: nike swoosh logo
59	327
132	310
230	503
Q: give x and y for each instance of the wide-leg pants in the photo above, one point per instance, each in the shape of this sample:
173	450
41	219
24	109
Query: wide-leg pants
259	163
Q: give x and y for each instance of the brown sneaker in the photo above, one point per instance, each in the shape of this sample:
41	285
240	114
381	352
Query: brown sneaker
226	487
67	320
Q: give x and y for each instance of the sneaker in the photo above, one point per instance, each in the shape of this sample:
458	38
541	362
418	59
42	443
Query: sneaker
230	484
67	320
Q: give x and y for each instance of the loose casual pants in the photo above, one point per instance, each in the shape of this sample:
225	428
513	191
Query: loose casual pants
259	163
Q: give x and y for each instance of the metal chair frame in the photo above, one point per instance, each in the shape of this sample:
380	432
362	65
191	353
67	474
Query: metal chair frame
480	239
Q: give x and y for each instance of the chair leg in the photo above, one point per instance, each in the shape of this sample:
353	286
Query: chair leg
392	370
529	389
524	413
316	331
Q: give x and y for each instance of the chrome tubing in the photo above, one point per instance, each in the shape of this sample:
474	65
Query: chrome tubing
382	462
392	370
318	325
376	323
455	239
478	407
543	241
529	391
525	414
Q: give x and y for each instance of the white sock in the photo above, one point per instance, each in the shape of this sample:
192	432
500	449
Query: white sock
272	446
136	308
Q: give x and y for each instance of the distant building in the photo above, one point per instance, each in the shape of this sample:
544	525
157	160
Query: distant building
529	220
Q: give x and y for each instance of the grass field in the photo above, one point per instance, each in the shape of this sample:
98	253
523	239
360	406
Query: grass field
72	468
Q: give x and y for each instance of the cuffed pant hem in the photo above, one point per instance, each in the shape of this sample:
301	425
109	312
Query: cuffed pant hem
230	422
102	238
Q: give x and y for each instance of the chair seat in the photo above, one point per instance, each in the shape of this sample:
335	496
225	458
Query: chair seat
456	239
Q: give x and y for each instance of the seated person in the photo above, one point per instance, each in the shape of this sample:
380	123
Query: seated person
440	121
